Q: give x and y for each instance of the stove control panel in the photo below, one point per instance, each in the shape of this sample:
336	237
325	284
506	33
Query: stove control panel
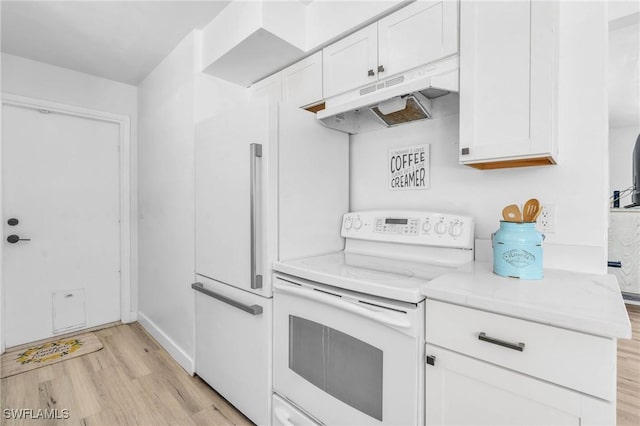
410	227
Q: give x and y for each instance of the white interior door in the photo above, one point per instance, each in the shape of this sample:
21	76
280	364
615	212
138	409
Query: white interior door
60	177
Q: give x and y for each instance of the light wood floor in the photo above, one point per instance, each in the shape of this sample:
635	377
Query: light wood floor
629	373
131	381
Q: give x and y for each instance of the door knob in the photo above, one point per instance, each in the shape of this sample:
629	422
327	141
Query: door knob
13	221
14	239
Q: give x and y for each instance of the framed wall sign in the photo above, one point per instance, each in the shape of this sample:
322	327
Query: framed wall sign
409	168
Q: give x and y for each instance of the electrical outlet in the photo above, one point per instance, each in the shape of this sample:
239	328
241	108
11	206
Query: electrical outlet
546	222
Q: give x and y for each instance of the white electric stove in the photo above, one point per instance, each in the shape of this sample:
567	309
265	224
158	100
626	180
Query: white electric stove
391	254
349	326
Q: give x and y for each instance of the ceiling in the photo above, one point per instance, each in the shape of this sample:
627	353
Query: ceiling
117	40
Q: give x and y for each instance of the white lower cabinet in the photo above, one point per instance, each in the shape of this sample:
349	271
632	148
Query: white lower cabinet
234	346
489	369
461	390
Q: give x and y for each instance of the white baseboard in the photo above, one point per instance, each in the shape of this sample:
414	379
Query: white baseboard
129	317
167	343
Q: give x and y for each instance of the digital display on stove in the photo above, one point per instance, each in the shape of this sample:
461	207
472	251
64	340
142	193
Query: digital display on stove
389	221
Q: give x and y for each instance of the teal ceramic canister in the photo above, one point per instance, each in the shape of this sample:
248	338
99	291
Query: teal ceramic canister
517	250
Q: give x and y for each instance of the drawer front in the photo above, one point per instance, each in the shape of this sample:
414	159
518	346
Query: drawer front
285	414
576	360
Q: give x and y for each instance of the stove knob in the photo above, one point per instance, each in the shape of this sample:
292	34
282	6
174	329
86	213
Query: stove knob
347	223
441	228
456	229
357	224
426	225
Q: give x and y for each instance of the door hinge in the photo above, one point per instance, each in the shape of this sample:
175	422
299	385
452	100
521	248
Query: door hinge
430	359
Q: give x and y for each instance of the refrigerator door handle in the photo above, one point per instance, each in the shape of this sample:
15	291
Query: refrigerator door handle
252	309
255	153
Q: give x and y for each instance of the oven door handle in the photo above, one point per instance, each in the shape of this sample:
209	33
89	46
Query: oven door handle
337	302
282	416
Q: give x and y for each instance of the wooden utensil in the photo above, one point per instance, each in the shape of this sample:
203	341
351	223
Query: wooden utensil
531	210
535	217
512	213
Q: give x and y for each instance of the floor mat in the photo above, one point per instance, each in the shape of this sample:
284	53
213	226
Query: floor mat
22	360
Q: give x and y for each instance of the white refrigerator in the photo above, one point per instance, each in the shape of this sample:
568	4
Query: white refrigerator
271	184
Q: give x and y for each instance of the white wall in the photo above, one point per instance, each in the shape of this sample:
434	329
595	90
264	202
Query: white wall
624	92
578	186
621	143
171	99
25	77
166	202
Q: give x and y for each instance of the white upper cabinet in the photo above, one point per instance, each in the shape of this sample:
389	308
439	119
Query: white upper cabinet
508	72
302	82
423	32
351	62
269	88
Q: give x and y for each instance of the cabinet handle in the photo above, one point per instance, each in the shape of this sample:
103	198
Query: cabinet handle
370	73
464	151
252	309
515	346
380	68
255	153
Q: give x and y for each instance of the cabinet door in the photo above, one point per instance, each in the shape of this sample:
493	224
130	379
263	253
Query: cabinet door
507	74
233	347
269	88
224	194
462	390
302	82
420	33
351	62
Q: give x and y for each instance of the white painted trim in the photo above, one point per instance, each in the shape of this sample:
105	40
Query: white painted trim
124	121
180	356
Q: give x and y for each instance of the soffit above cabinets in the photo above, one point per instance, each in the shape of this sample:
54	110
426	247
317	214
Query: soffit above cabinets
248	41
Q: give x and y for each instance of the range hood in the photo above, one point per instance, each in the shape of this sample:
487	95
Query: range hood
400	99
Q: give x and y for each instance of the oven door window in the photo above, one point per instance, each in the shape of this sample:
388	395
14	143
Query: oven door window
341	365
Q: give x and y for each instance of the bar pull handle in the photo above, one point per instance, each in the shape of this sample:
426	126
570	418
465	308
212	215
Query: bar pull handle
252	309
614	264
255	152
515	346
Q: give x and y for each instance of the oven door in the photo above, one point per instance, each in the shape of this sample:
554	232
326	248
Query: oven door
345	358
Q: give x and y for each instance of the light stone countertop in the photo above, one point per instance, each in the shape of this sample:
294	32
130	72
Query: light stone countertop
588	303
